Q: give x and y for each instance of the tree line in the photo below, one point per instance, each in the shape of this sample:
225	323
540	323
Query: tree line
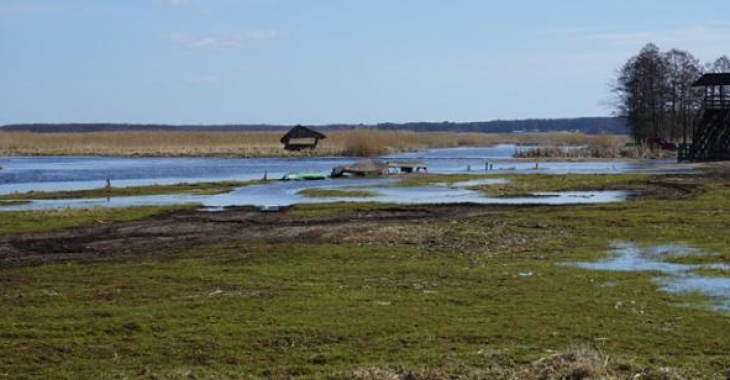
589	125
653	91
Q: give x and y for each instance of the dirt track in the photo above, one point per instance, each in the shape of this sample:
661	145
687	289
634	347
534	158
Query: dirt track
186	229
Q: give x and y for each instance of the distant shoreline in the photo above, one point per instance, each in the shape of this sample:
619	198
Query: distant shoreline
257	144
588	125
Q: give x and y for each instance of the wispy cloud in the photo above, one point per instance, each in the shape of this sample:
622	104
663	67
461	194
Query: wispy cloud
235	41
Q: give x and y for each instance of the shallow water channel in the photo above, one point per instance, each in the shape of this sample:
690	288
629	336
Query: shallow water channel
24	174
670	276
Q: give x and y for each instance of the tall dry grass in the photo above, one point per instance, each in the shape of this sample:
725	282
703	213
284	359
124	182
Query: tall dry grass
361	142
154	143
600	146
372	142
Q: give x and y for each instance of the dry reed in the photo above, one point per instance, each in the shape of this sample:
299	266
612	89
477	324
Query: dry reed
601	146
576	363
362	142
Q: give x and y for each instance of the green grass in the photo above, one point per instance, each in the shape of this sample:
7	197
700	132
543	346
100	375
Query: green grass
49	220
324	309
207	188
489	295
337	193
421	179
518	184
528	183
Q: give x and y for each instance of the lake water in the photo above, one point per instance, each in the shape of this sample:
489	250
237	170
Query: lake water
23	174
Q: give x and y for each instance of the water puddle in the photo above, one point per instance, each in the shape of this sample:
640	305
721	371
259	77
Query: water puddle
671	276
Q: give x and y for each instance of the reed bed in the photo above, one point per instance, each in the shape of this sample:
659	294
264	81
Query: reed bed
360	142
601	146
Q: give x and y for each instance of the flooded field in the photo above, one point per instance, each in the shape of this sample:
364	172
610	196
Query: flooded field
671	276
25	174
479	283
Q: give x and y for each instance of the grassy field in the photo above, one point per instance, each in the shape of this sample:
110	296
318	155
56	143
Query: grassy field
473	296
358	142
201	188
41	221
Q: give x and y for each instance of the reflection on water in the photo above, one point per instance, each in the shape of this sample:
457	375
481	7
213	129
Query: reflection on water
671	277
286	193
23	174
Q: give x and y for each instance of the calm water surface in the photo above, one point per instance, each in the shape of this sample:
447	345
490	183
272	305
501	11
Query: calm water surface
23	174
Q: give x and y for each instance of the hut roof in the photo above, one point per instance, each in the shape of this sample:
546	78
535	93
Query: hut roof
300	132
715	79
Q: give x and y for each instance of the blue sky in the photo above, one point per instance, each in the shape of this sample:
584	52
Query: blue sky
332	61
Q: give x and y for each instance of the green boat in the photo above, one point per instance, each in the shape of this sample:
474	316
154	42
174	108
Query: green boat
305	176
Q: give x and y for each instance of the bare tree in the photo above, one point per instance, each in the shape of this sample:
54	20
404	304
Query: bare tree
642	89
654	92
721	65
684	101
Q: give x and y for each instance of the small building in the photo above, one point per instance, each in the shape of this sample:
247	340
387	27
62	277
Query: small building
300	137
711	137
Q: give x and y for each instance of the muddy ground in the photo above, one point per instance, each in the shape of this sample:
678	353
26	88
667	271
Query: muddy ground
182	230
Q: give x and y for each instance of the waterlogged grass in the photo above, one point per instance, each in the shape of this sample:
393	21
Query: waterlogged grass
13	203
422	179
49	220
518	184
206	188
337	193
482	297
313	310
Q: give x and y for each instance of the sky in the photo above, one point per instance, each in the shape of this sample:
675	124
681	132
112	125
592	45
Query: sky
332	61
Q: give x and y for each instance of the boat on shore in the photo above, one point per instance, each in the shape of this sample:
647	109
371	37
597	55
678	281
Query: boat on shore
305	176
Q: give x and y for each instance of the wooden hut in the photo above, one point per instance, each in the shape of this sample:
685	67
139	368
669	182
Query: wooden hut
300	137
711	137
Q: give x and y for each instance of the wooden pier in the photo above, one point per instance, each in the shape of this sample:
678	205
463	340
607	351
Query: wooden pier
407	166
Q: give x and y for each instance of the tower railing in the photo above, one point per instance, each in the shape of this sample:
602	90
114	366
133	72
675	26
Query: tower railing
717	102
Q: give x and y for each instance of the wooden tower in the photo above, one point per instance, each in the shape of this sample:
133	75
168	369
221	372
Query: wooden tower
711	138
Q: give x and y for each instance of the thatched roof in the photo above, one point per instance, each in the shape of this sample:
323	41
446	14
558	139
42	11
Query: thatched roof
715	79
300	132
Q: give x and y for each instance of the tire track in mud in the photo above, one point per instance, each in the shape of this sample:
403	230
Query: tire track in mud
185	229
